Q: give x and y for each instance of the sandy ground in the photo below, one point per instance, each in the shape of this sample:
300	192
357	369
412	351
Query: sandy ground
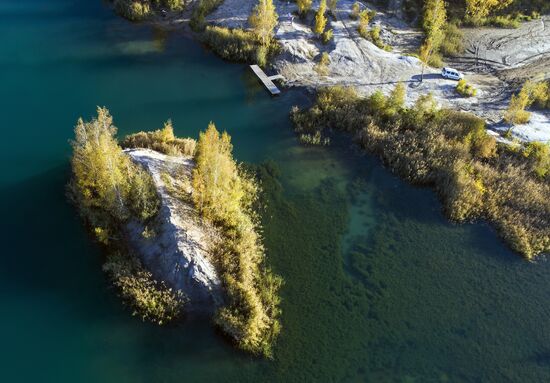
494	57
177	253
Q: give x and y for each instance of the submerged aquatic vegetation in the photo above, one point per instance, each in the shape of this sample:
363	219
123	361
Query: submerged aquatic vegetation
451	151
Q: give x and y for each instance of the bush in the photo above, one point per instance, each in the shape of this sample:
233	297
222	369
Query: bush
541	95
355	10
465	89
503	22
303	7
133	10
322	65
150	299
363	27
531	92
162	140
238	45
202	9
137	10
452	44
538	155
450	151
327	36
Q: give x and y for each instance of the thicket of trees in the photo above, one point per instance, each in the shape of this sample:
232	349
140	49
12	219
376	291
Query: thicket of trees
537	93
224	194
137	10
109	190
304	6
162	140
249	46
501	13
480	9
108	187
507	185
263	21
434	22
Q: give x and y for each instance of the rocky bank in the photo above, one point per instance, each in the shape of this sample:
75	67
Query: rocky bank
175	248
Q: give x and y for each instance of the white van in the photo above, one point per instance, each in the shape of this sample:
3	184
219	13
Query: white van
452	74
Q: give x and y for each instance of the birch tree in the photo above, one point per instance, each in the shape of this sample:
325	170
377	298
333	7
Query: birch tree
320	18
263	20
435	17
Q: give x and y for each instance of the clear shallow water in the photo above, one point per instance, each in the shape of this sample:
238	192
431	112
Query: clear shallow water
379	286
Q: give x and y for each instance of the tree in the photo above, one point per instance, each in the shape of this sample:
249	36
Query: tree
224	194
364	19
99	165
215	179
396	100
263	20
105	180
355	9
332	5
320	18
435	16
529	93
479	9
304	6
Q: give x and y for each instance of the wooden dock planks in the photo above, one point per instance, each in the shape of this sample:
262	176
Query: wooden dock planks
267	81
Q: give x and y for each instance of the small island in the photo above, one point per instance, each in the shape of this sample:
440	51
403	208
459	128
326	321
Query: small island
179	224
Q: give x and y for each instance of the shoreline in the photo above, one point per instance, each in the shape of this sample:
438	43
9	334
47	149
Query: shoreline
357	62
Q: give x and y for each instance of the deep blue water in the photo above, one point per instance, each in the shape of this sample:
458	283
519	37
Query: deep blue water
379	286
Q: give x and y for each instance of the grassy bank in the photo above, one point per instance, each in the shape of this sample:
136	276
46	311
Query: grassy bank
451	151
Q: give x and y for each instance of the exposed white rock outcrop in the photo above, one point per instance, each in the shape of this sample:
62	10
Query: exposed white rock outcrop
175	247
493	57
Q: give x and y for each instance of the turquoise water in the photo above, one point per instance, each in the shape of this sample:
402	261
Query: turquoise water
379	286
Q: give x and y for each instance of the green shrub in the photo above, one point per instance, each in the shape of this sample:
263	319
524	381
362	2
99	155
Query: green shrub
162	140
304	7
452	44
363	27
355	10
150	299
374	36
327	36
435	61
322	66
538	155
530	93
202	9
238	45
465	89
133	9
504	22
137	10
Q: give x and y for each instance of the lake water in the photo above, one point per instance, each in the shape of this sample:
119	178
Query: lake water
379	286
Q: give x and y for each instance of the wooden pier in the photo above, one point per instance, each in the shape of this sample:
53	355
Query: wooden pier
267	80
